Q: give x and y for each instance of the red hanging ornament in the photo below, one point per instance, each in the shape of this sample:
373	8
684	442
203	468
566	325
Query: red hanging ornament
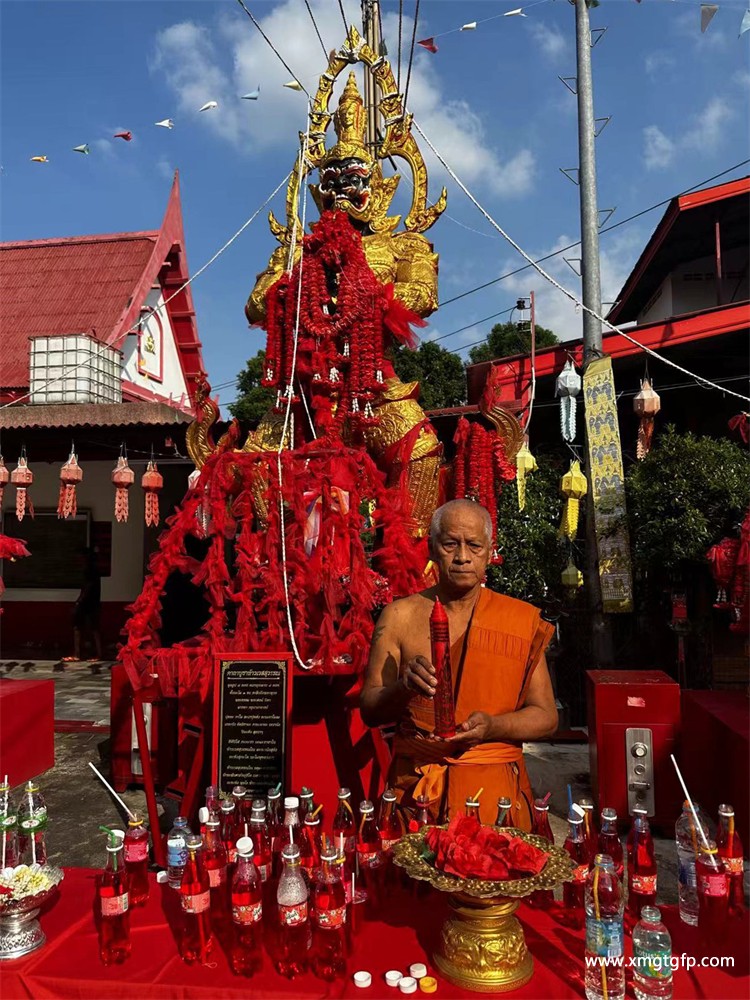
22	477
70	476
152	481
123	478
646	405
4	479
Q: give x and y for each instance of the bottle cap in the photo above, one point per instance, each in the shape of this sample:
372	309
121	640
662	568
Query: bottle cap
227	805
418	970
362	979
428	984
291	802
329	854
162	877
239	791
203	815
389	795
344	793
194	842
274	793
408	984
393	977
290	853
245	847
259	805
366	807
726	810
609	814
503	802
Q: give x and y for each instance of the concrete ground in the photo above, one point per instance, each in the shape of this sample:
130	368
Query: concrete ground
78	803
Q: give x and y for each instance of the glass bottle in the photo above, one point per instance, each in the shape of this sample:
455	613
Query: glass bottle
8	828
292	908
309	846
604	980
543	898
729	848
609	840
590	831
273	815
574	891
713	896
306	803
290	827
246	956
503	813
213	803
369	854
32	826
328	912
197	940
641	867
135	852
229	829
262	858
389	825
471	808
239	794
688	837
423	814
177	851
652	957
215	860
344	829
114	904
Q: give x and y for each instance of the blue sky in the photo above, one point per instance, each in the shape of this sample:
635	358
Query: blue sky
490	100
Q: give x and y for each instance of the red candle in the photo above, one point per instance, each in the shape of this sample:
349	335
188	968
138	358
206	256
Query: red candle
445	713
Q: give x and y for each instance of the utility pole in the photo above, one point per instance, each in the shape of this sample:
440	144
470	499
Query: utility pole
371	33
601	633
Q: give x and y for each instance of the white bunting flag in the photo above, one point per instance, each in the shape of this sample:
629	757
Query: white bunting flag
294	85
745	26
518	12
471	26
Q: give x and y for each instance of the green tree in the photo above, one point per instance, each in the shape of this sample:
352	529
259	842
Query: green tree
254	399
682	498
505	339
441	374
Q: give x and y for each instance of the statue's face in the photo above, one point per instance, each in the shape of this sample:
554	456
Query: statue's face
345	184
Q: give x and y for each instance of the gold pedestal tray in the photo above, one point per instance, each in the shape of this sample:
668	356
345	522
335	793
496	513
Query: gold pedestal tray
482	946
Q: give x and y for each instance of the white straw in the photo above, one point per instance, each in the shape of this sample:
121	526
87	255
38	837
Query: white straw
698	824
5	813
104	781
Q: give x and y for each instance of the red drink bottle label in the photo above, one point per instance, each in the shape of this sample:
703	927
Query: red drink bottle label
733	865
290	916
388	844
368	858
713	885
331	918
247	914
197	903
115	906
645	884
136	850
265	871
580	873
217	877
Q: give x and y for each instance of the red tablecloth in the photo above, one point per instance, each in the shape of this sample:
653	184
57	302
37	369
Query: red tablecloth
68	966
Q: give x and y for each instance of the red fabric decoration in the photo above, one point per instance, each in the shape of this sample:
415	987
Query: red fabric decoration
429	44
22	477
127	136
71	475
729	560
152	481
740	424
480	467
470	850
123	478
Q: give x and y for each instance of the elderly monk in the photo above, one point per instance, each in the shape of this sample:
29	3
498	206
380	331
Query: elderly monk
502	689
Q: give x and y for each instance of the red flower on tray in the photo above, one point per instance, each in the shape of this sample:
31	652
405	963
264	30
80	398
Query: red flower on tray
469	850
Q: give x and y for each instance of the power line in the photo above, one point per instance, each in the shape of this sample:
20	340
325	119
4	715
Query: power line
608	229
469	326
411	54
273	47
343	18
317	31
400	23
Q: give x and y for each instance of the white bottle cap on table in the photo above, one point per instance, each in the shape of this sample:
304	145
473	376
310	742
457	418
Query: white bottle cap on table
418	970
362	979
161	877
393	977
408	984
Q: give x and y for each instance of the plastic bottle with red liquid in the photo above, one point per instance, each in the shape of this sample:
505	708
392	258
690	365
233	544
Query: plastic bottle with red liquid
641	865
135	852
328	913
590	831
228	829
370	861
246	954
345	830
576	846
729	848
713	897
114	904
542	898
609	842
292	896
215	860
196	937
309	846
503	813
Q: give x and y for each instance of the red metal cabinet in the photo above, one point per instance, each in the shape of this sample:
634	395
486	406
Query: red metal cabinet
619	703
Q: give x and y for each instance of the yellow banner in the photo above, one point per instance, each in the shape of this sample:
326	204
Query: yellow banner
607	485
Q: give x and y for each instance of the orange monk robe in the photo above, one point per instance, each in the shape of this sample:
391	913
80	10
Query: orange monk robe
505	641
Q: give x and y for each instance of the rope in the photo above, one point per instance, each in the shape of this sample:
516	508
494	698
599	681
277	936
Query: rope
566	292
411	53
272	46
287	416
400	23
166	302
343	18
317	31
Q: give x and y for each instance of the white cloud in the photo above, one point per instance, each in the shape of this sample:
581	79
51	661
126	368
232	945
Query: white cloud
655	63
704	134
550	40
742	78
164	168
658	149
199	65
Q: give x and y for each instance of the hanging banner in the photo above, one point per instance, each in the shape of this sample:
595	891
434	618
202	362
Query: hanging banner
607	485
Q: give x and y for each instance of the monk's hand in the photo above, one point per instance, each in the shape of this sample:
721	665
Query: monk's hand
419	677
476	729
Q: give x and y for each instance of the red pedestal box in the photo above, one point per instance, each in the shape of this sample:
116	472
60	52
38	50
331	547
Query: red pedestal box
27	728
715	753
622	700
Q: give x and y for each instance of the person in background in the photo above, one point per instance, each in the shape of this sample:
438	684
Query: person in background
87	608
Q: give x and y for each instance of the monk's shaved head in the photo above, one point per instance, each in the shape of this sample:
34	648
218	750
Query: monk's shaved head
460	506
